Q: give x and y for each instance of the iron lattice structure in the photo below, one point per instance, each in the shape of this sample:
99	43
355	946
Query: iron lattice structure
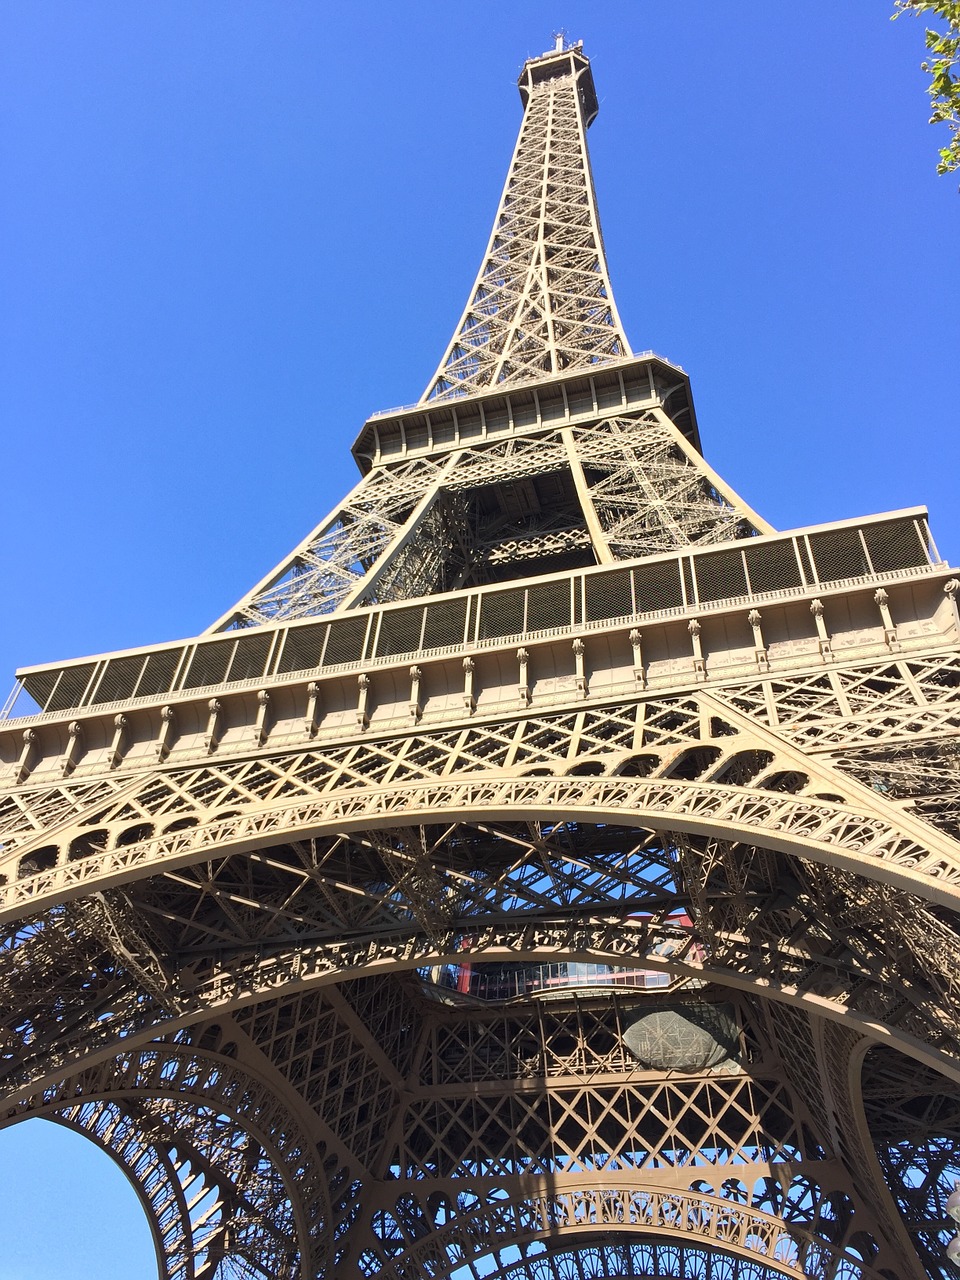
549	870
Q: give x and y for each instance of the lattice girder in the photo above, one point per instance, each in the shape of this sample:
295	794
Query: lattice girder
737	770
633	486
912	1118
299	957
382	512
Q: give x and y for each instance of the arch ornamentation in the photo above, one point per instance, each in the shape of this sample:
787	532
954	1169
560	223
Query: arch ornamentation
148	1000
907	853
786	1248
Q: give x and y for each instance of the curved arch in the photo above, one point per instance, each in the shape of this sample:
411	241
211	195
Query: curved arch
583	1211
151	1173
908	854
186	1078
603	938
615	1258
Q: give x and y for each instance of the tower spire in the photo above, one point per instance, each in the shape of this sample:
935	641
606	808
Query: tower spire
541	443
542	301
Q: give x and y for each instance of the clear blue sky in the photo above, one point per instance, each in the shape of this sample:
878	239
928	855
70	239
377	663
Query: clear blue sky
231	229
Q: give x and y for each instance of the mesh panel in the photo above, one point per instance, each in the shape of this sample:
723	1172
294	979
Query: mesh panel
720	575
119	679
548	605
39	686
636	384
838	554
501	614
400	631
346	640
551	406
416	433
525	412
470	425
658	586
609	595
772	566
209	664
250	659
445	623
71	687
302	648
161	668
894	546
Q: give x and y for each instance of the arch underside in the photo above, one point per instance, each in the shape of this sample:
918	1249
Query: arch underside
274	944
614	1257
191	1171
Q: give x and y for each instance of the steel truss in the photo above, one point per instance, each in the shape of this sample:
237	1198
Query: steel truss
617	939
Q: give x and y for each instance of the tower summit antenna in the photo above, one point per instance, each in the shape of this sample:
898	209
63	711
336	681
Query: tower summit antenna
548	869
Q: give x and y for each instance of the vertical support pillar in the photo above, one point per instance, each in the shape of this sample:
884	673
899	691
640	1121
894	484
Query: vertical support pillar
951	590
212	737
165	737
469	670
74	748
416	709
882	601
363	695
699	666
27	754
759	648
636	643
119	740
579	652
313	703
523	686
816	608
261	726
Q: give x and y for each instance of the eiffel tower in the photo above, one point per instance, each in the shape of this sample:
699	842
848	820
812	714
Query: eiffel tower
548	871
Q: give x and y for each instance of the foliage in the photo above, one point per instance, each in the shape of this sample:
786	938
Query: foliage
944	88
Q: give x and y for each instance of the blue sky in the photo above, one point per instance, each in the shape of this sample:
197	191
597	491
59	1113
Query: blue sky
232	229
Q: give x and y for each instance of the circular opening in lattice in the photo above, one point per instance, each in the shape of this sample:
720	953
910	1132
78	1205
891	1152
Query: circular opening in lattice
788	781
638	766
693	763
181	824
587	769
86	844
742	768
39	860
133	835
